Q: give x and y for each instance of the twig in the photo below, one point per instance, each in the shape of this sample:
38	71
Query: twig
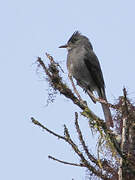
52	61
39	60
102	101
75	90
48	130
64	162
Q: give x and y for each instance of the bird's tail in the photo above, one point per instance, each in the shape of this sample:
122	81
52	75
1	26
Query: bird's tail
107	112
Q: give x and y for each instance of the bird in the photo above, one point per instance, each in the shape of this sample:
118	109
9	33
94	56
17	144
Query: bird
83	65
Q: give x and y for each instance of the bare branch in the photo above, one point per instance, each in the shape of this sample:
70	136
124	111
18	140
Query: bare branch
48	130
75	90
64	162
102	101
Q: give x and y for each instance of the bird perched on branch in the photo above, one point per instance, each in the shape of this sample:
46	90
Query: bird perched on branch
83	65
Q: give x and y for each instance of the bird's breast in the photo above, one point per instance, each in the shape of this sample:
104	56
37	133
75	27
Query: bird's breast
78	69
74	60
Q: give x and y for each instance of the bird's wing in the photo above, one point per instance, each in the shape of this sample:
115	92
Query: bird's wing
94	69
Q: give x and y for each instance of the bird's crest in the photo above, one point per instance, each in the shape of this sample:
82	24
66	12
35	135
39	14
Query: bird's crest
74	37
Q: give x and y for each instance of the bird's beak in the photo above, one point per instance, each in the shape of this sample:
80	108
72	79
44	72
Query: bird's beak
64	46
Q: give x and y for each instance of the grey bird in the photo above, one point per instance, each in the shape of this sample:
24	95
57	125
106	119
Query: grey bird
83	65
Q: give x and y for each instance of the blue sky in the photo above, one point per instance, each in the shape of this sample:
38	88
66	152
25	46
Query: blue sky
31	28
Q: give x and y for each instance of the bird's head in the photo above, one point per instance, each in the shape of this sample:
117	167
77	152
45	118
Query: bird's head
76	40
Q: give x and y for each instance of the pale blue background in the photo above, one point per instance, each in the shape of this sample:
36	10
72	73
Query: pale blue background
29	29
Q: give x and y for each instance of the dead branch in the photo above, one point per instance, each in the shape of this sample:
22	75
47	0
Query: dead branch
46	129
64	162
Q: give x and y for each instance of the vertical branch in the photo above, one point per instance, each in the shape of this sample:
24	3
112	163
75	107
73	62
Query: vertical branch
126	124
131	151
123	170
